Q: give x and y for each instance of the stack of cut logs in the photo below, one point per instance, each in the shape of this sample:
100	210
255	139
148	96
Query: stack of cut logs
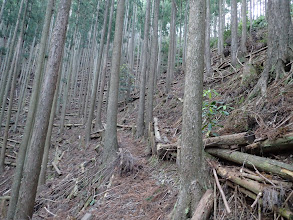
268	182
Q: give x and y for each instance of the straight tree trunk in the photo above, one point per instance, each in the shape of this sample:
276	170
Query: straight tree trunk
141	108
28	189
96	77
192	174
111	142
66	91
250	18
131	56
209	70
234	44
158	71
154	56
244	30
221	30
185	35
32	108
172	48
104	71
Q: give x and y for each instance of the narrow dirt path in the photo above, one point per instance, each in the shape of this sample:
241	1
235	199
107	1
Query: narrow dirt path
139	195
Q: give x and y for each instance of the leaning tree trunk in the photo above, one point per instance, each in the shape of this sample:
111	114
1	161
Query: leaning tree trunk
32	108
28	189
192	173
111	142
15	69
10	55
234	44
42	177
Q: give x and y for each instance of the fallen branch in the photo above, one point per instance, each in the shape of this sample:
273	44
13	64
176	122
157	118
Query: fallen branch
255	52
10	140
221	191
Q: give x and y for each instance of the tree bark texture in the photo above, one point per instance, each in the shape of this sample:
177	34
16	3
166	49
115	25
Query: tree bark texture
172	48
154	56
141	107
32	167
32	108
234	28
244	29
111	143
221	30
209	70
192	176
231	139
279	40
104	71
96	76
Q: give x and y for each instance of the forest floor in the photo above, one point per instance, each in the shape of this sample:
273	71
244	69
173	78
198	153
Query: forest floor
149	190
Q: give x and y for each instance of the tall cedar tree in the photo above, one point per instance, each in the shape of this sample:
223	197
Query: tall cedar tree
28	189
192	174
111	143
280	39
141	107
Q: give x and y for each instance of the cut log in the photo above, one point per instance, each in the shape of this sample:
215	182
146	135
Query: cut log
162	149
151	140
97	134
204	207
233	139
157	132
264	164
68	125
283	143
125	126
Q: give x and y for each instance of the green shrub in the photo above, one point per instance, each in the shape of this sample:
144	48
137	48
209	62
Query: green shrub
212	111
